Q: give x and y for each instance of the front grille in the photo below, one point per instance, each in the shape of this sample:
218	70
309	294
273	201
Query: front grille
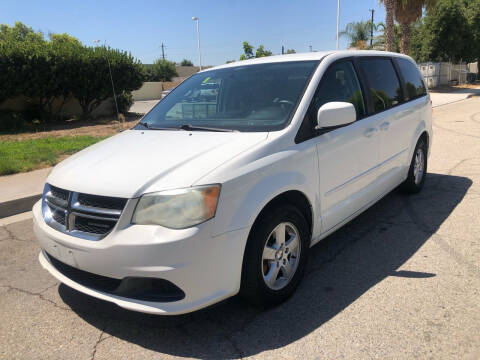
102	201
83	215
59	193
94	226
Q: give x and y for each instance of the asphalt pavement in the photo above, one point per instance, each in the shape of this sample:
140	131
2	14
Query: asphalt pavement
401	281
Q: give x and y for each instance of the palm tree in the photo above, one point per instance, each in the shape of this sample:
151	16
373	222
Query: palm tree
379	41
389	9
358	33
406	13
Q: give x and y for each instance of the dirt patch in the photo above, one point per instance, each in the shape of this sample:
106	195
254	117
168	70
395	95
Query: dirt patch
98	127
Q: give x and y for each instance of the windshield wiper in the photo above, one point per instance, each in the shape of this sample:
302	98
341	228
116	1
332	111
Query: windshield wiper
189	127
150	127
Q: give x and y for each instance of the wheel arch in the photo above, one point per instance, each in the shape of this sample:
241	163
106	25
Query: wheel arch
292	197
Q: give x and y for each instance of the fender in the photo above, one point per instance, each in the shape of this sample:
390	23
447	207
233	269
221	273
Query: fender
270	176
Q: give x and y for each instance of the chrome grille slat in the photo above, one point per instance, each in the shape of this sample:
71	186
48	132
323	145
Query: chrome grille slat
55	206
56	201
81	215
93	210
94	217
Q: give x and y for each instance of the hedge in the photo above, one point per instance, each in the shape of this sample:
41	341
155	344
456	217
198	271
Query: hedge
62	67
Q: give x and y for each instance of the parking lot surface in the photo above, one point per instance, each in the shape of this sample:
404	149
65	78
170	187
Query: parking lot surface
401	281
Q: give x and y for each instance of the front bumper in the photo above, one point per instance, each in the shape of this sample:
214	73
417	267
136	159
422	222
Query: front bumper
206	268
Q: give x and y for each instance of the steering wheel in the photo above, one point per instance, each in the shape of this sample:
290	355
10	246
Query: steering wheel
284	103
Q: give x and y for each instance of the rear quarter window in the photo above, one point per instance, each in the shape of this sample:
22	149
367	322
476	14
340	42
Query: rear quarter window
414	84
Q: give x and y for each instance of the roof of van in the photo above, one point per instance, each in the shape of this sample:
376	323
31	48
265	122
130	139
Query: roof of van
317	55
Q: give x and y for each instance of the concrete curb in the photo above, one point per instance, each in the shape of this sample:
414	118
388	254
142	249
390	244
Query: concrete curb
18	206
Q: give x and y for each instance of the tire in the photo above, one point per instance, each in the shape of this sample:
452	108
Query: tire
416	176
262	247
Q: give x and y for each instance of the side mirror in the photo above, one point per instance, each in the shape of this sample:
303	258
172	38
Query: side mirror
334	114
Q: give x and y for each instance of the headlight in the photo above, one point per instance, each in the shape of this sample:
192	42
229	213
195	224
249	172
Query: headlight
177	209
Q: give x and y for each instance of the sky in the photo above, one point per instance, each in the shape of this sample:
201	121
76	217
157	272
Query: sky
141	26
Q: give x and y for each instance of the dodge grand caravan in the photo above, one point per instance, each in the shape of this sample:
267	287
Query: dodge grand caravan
227	182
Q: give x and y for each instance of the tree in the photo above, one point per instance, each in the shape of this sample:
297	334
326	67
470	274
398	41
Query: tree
247	51
16	45
91	83
290	51
186	62
472	13
389	23
358	33
444	34
19	33
261	52
49	72
379	41
407	12
161	70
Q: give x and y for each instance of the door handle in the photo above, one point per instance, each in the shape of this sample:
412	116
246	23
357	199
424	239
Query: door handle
370	132
384	126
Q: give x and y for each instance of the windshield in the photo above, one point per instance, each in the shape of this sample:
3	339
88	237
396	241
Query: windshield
259	97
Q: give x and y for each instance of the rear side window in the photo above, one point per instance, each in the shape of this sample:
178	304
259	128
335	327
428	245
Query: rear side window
340	83
383	81
413	80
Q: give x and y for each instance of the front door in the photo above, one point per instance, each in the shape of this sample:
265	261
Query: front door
348	156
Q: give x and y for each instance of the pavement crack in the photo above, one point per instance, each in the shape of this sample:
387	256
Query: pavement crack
11	235
228	335
36	294
100	339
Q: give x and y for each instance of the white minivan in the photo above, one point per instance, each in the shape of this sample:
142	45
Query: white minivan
210	196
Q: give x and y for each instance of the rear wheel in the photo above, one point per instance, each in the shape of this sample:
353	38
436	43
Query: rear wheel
418	169
275	256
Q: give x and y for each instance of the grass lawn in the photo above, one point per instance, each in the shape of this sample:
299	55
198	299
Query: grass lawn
30	154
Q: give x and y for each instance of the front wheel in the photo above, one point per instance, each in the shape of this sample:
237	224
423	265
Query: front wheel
418	169
275	256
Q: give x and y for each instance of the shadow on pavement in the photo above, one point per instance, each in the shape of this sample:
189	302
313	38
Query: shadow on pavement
341	269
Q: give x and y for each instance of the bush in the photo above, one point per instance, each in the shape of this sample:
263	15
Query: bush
186	62
161	70
124	102
62	68
11	121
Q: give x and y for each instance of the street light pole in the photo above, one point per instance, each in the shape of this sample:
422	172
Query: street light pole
195	18
111	78
338	20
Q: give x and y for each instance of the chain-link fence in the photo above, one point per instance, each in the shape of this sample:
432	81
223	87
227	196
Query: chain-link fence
447	73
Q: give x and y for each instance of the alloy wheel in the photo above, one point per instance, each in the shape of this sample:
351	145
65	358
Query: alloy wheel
419	166
281	256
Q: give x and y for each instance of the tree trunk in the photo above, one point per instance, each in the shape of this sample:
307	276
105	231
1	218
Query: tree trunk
389	24
405	38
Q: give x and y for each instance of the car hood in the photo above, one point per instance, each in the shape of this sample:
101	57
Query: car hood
135	162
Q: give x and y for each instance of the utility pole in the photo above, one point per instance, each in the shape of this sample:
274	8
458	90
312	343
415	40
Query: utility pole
371	29
283	50
310	47
163	51
338	21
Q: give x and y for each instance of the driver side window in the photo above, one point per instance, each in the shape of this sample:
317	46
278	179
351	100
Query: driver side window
340	83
